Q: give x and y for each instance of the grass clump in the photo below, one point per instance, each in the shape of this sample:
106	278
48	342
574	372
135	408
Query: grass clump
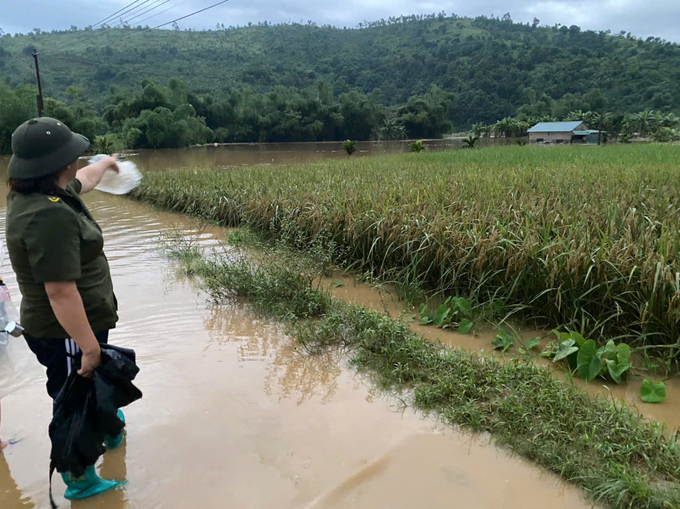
578	237
278	283
607	450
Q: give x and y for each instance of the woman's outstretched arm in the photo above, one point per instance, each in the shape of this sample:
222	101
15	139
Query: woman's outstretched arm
92	175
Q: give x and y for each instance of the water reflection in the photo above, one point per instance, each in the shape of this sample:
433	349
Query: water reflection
290	372
113	467
10	495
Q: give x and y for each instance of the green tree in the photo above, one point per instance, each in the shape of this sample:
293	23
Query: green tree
427	116
391	129
16	106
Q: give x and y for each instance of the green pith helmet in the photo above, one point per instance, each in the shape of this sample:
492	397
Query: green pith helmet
43	146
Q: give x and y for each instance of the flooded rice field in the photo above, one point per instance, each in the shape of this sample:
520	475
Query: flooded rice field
234	415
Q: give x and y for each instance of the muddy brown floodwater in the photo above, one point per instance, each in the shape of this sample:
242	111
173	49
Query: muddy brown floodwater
234	415
248	154
384	298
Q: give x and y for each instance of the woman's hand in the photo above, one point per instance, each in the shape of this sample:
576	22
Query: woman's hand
92	175
89	362
67	305
112	163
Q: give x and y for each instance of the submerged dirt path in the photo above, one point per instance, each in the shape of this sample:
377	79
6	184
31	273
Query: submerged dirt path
234	415
384	298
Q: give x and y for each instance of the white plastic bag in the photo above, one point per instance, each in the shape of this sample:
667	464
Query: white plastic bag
18	366
123	182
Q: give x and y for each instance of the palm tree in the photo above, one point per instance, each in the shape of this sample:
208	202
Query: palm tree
591	119
627	128
671	120
575	115
643	122
480	129
503	128
659	120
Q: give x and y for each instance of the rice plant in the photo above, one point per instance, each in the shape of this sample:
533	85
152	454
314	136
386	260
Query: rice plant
582	238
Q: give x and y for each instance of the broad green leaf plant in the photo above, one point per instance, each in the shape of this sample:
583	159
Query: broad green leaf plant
455	312
611	360
651	392
503	341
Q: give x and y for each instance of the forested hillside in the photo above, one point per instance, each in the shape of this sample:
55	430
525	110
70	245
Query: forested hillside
492	66
414	76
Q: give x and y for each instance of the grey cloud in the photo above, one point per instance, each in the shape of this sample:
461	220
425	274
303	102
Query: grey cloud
651	18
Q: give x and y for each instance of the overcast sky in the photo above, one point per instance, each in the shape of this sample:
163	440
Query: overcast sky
659	18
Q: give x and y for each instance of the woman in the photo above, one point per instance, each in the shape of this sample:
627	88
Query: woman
56	250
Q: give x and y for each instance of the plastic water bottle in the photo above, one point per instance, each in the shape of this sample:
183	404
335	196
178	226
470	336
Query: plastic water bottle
9	316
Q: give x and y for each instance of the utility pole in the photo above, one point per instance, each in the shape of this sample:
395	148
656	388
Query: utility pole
37	73
599	134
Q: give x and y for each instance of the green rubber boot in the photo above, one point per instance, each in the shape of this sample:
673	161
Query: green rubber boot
86	486
112	442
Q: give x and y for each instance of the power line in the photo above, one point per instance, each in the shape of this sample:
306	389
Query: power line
187	16
102	30
114	14
154	28
133	9
128	9
148	10
163	11
125	10
163	24
123	22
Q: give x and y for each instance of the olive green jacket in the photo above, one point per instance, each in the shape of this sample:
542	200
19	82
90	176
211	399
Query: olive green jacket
53	239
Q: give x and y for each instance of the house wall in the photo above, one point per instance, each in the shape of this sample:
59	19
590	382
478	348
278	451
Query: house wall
564	137
551	137
592	138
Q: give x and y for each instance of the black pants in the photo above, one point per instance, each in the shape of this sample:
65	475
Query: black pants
60	357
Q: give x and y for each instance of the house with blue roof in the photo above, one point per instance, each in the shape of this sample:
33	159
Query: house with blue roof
558	132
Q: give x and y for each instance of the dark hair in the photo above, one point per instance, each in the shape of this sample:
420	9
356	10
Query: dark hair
45	185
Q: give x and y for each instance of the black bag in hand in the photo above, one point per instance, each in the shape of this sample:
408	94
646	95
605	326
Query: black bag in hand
86	411
77	438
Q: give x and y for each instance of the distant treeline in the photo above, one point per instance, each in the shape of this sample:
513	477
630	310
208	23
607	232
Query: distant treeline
172	116
651	125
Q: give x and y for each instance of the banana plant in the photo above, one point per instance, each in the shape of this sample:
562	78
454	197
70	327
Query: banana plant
470	141
350	147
